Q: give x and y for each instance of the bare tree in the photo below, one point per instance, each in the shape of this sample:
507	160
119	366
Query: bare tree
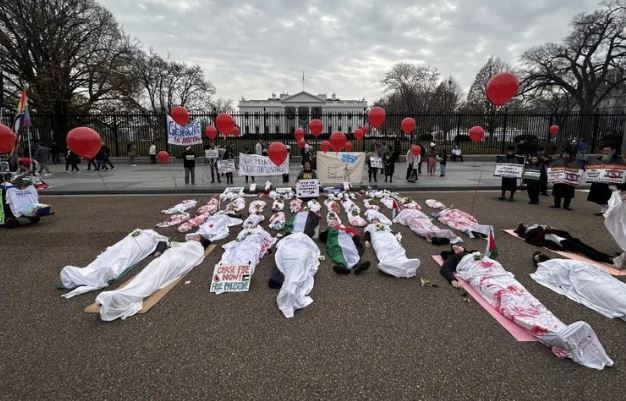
477	100
587	65
408	86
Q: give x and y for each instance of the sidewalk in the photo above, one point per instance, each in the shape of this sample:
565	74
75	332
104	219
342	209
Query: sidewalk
169	178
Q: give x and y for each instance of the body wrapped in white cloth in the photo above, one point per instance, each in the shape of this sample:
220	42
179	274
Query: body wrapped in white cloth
391	255
181	207
421	225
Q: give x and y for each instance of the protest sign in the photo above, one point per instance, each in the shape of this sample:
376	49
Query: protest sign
606	173
257	165
532	174
508	169
565	175
211	153
231	278
340	167
308	188
233	190
226	166
184	135
376	162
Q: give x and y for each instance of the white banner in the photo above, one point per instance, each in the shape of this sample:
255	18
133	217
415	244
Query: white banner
340	167
226	166
211	154
190	134
308	188
376	162
509	170
606	173
257	165
565	175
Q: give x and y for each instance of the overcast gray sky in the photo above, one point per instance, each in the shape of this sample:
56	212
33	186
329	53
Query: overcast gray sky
254	48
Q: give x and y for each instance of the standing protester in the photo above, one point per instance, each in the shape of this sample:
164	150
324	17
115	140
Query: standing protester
101	160
581	150
72	159
532	185
564	191
42	154
371	172
443	161
258	148
152	152
246	151
286	176
600	193
431	159
91	162
543	178
389	164
132	152
212	163
105	149
228	155
419	163
55	150
307	172
411	165
189	163
509	184
551	150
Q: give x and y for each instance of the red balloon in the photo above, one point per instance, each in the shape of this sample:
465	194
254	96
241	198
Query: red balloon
476	133
325	146
337	140
7	139
235	131
84	141
347	147
316	126
554	129
502	87
298	134
376	116
277	152
24	161
301	143
416	150
365	128
408	125
225	123
180	115
163	157
359	134
210	132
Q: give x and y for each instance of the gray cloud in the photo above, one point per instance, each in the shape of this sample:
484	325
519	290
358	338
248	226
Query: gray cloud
254	48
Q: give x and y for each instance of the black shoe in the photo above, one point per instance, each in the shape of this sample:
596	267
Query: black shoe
568	208
341	270
510	199
502	198
360	268
555	207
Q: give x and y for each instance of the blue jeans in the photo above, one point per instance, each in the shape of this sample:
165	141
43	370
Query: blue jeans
442	169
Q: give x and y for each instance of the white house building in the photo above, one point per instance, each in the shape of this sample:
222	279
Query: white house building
283	114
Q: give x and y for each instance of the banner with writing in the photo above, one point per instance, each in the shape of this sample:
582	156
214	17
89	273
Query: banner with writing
257	165
376	162
226	166
308	188
231	278
606	173
565	175
184	135
211	153
508	169
340	167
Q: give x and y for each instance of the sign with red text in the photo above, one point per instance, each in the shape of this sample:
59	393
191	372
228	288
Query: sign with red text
231	278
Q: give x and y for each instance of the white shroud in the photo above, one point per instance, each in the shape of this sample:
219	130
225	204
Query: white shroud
421	225
249	247
215	227
506	295
297	257
127	301
615	221
390	253
111	263
584	283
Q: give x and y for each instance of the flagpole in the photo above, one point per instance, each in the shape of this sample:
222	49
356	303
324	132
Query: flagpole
32	165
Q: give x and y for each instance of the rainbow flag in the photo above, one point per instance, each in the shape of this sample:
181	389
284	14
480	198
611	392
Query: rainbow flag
22	104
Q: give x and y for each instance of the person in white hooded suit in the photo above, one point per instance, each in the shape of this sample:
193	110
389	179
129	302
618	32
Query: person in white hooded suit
297	258
112	263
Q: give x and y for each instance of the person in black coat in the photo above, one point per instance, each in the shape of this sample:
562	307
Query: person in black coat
451	260
189	162
600	193
532	184
228	155
509	184
562	191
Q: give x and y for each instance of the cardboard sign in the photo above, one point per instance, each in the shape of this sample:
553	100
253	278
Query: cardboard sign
337	168
308	188
509	170
606	173
211	153
257	165
565	175
231	278
532	174
376	162
226	166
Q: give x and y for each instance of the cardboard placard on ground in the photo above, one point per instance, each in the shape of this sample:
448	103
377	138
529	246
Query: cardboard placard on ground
231	278
337	168
257	165
308	188
565	175
606	173
156	296
226	166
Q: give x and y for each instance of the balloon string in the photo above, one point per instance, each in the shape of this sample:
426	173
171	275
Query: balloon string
102	179
475	200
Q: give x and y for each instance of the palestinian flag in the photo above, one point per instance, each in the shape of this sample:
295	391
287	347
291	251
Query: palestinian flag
491	250
341	248
303	222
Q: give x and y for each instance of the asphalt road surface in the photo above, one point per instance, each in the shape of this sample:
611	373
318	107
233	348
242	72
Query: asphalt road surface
365	337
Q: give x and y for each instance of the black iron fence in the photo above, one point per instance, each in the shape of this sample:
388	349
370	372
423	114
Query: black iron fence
501	129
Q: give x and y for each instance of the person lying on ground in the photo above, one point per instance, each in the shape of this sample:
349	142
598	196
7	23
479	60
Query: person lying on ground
421	225
390	253
345	249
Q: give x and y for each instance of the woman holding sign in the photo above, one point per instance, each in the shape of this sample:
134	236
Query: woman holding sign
508	183
532	174
307	172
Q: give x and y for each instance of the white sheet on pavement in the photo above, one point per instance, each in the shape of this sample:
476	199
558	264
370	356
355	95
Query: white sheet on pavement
421	225
248	248
391	255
